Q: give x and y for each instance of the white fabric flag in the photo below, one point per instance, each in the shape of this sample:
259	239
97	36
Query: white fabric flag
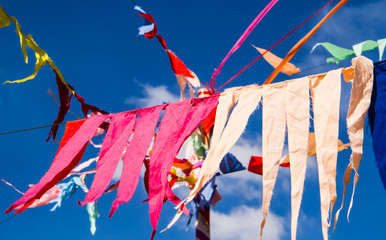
326	98
298	122
274	126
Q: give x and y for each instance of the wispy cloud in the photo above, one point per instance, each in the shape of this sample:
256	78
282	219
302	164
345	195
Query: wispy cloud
152	95
243	223
356	23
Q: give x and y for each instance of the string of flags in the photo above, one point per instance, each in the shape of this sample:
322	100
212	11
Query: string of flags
340	53
210	125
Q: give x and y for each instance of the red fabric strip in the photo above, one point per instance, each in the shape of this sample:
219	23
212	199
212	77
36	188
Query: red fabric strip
256	165
149	17
162	41
177	65
135	154
87	107
120	130
208	122
67	158
63	109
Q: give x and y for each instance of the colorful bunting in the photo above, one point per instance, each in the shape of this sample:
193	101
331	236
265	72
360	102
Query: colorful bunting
280	102
179	121
340	54
286	108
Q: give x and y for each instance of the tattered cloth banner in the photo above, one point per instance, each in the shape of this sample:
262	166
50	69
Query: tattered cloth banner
178	123
286	104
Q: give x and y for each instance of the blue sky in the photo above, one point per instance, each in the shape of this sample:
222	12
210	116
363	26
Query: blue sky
94	44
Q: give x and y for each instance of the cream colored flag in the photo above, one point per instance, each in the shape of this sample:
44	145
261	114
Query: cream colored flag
357	111
326	98
226	101
274	60
274	126
225	136
298	122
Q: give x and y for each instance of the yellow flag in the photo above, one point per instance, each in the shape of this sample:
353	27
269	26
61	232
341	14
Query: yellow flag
26	40
4	18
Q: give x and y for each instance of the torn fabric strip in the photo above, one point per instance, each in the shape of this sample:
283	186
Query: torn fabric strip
325	93
224	137
135	154
118	134
176	126
66	159
274	126
362	86
298	122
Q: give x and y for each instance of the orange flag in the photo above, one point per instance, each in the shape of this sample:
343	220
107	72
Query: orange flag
275	61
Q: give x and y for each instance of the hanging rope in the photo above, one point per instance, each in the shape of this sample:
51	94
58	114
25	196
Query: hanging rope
34	128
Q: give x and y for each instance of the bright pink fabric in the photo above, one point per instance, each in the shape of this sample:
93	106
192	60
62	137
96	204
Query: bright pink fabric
178	123
63	163
119	132
135	154
244	36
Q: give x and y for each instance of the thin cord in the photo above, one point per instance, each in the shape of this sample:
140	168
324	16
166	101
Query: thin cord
310	68
242	70
45	126
7	219
34	128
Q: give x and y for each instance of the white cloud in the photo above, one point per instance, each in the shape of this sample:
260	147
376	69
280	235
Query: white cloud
152	95
356	23
243	223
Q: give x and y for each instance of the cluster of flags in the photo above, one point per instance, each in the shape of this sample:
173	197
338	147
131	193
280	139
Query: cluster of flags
211	125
